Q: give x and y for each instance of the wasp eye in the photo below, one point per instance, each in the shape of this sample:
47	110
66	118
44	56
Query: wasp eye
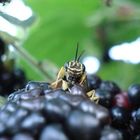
66	65
84	68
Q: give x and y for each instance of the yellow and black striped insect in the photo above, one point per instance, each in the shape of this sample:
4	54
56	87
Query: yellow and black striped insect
73	72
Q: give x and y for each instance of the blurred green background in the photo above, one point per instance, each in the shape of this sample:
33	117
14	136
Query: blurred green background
96	26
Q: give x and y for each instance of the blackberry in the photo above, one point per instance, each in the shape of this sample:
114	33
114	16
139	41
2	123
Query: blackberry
105	97
120	117
94	81
110	133
11	80
33	115
122	100
98	111
110	86
135	123
40	112
19	78
2	46
134	94
11	77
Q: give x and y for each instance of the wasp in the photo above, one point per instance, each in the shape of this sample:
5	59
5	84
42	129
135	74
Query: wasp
73	72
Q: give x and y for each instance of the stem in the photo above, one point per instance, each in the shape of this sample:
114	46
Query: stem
31	60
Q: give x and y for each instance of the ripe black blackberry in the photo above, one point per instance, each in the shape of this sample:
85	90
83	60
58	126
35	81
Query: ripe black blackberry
134	95
11	80
11	77
40	112
2	47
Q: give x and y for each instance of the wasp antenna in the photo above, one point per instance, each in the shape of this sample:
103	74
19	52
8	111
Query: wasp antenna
76	51
80	55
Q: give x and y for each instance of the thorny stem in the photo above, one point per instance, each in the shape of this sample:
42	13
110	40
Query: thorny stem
33	61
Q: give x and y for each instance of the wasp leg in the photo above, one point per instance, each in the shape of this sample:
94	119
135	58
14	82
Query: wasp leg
61	74
92	96
83	79
60	84
64	85
57	84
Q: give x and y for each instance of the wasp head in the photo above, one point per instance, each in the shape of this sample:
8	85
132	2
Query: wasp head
74	70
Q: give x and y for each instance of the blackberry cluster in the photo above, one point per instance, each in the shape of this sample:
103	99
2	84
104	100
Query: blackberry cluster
11	77
124	106
38	112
